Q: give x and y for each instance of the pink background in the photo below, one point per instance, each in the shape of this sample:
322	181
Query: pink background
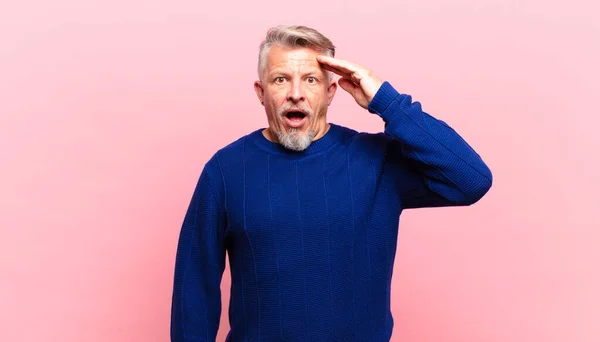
109	110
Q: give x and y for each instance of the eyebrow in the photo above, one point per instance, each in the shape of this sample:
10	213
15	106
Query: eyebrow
314	72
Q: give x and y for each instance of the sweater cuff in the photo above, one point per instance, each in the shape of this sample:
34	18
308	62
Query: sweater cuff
382	99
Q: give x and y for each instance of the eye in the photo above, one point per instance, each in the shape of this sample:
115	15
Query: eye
312	80
279	79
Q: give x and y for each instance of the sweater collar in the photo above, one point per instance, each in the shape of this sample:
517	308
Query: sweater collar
331	138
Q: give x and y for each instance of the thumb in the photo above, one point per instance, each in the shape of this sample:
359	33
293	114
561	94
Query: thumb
347	85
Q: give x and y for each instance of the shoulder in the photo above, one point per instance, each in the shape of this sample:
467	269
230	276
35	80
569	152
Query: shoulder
227	158
361	141
232	151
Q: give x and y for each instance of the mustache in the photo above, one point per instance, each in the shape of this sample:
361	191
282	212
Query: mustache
303	107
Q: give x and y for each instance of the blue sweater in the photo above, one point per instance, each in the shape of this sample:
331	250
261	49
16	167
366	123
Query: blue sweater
311	236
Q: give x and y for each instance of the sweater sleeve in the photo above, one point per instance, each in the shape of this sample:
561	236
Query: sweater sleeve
199	266
435	166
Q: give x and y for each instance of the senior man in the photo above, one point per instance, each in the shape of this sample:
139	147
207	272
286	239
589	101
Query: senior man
308	211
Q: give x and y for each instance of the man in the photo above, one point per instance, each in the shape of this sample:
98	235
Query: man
308	211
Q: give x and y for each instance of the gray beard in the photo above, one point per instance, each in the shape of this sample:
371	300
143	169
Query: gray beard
292	140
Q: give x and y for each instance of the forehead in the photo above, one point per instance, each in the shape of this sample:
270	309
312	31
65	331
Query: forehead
281	57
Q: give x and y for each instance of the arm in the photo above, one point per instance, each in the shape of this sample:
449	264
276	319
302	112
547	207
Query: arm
199	265
444	170
433	165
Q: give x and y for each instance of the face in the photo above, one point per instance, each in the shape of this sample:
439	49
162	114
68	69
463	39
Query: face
296	92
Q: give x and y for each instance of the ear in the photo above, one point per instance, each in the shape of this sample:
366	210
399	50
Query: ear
331	91
260	91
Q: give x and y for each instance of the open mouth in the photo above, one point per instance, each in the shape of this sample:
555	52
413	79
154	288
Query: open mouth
295	115
295	118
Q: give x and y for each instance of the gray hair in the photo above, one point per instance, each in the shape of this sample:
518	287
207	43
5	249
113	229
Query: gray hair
295	36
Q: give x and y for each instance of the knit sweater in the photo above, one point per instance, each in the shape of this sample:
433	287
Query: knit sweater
311	236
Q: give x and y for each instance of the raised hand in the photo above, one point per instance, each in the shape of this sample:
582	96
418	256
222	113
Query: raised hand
359	81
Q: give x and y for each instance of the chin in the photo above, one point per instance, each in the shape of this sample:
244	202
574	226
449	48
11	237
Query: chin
294	139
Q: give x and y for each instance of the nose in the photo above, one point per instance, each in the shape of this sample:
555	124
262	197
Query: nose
296	93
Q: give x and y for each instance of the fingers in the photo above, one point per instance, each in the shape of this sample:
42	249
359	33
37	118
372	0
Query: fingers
338	64
345	69
351	76
335	70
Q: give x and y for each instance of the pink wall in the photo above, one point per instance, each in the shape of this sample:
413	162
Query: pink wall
109	110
